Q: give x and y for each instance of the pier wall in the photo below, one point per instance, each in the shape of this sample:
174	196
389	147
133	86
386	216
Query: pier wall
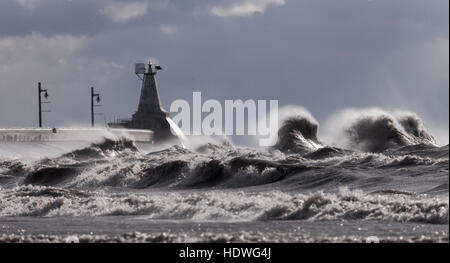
67	134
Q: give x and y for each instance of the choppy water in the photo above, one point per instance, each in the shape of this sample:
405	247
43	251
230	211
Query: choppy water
390	180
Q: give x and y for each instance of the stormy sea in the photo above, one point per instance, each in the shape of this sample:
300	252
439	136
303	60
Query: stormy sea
383	177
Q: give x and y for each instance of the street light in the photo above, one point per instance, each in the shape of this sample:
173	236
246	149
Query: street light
97	97
40	91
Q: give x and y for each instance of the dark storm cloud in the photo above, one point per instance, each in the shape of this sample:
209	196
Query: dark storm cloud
324	55
19	17
51	17
74	17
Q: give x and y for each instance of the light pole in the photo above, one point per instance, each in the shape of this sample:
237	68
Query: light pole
97	96
40	91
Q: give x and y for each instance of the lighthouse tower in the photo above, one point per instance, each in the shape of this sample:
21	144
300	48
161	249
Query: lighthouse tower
150	115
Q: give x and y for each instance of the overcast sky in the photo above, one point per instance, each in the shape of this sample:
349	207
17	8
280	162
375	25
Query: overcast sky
324	55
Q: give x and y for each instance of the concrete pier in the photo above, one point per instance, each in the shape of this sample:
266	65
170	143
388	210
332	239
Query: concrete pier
71	135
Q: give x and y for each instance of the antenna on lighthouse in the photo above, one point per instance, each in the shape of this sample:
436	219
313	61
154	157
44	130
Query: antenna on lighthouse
152	66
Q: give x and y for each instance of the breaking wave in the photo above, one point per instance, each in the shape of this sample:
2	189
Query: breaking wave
375	130
385	167
370	130
107	147
292	164
226	206
378	133
298	134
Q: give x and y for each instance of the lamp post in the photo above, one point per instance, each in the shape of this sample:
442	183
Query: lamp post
97	96
40	91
